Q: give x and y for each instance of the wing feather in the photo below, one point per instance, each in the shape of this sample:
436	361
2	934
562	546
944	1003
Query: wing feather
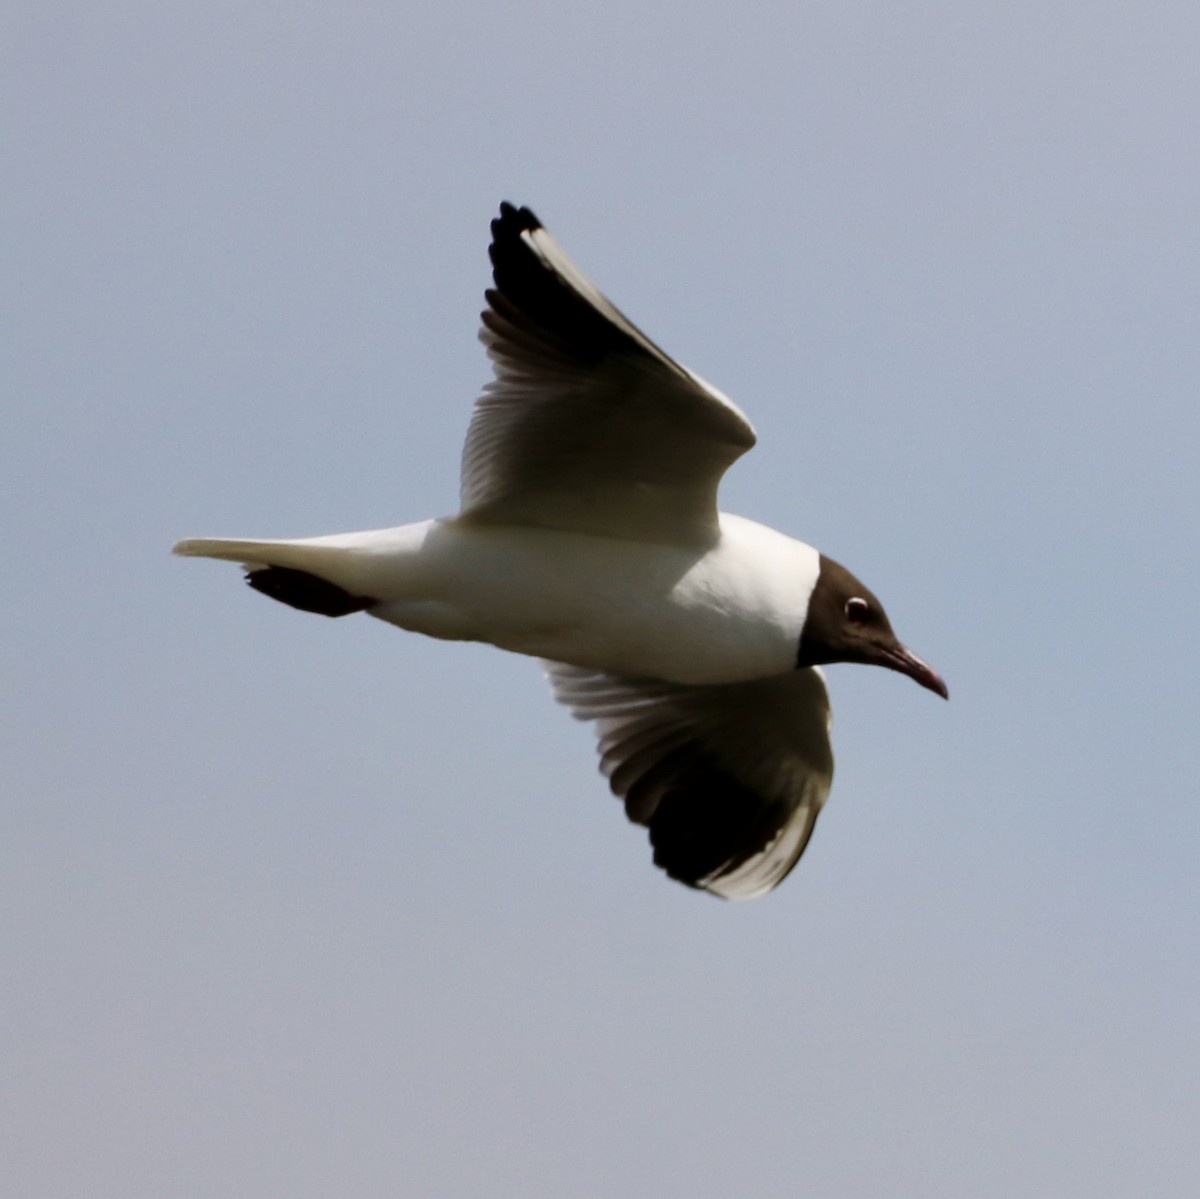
728	779
587	425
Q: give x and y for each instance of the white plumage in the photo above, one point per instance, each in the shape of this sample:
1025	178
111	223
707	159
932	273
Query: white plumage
589	536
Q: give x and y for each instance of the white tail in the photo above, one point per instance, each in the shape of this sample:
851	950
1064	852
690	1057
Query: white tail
300	555
339	559
366	563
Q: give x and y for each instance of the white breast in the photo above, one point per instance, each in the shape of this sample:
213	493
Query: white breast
729	613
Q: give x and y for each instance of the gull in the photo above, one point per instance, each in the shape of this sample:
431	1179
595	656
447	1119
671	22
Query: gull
589	536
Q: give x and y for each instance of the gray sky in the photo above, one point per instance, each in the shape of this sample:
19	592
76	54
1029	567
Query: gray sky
305	908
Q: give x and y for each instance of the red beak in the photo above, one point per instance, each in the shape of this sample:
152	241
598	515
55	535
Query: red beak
906	662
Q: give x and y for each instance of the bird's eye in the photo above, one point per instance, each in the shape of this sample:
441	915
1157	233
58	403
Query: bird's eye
857	609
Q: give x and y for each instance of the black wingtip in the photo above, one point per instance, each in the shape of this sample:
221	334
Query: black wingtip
534	293
514	220
507	230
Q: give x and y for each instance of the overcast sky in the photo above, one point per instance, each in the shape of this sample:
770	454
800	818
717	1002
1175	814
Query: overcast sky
303	908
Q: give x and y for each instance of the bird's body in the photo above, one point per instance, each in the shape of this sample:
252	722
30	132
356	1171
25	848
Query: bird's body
682	613
589	537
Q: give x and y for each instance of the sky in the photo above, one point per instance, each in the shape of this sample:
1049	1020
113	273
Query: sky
301	907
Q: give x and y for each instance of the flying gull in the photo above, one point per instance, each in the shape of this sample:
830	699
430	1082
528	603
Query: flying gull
589	536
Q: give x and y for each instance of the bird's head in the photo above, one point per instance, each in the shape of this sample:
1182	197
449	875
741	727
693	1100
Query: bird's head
846	623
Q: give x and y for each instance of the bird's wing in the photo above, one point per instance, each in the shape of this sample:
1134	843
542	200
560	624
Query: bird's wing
728	779
588	426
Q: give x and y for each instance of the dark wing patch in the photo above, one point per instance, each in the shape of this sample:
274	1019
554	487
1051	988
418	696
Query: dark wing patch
547	310
707	824
588	426
728	779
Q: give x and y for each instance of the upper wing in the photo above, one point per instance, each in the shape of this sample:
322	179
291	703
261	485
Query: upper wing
588	425
729	779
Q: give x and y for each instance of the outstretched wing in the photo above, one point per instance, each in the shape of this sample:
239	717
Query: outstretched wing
728	779
588	425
